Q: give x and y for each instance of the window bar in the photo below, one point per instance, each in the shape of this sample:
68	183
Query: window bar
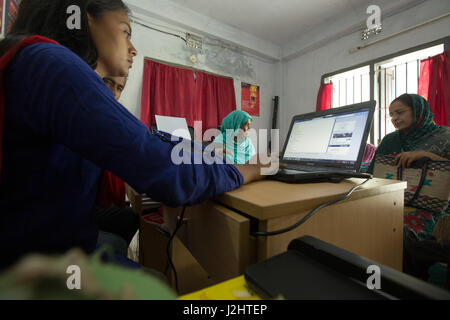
339	93
345	92
395	81
406	73
381	103
372	97
418	74
332	94
385	102
353	89
361	82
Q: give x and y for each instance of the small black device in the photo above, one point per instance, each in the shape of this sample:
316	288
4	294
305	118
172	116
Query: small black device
314	269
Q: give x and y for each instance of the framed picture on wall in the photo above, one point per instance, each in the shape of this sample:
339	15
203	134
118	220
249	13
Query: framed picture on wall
250	99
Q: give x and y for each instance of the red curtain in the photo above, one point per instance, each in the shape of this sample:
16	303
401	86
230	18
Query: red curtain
167	91
434	86
178	92
214	99
324	96
111	191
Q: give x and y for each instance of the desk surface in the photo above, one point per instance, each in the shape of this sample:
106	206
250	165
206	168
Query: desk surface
270	199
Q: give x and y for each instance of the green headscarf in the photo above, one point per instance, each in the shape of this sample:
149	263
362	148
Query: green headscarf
423	125
234	121
243	149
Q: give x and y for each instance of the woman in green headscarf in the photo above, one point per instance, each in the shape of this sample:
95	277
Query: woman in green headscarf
417	136
234	140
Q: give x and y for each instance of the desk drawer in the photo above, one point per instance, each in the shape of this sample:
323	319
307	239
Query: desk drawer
217	237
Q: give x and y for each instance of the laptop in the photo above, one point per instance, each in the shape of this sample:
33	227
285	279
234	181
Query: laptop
173	125
326	145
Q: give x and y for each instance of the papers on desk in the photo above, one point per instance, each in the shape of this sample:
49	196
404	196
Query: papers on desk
175	126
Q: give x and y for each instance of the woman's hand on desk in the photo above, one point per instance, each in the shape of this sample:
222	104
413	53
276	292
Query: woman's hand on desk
258	168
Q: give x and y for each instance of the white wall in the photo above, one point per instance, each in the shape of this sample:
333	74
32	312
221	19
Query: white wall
296	78
301	75
240	63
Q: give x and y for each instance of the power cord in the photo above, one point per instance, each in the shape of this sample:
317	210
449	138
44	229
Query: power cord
310	214
178	225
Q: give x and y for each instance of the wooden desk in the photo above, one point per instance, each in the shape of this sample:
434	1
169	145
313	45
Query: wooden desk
233	289
368	223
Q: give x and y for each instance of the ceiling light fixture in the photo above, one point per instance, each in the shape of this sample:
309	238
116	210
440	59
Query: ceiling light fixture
368	33
194	41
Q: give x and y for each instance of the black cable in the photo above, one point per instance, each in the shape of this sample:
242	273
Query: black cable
169	33
178	225
309	215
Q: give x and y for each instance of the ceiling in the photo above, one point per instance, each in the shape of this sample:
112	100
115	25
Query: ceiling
280	21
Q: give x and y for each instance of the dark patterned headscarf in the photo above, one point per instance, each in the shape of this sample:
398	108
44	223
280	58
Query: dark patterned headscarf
423	122
397	142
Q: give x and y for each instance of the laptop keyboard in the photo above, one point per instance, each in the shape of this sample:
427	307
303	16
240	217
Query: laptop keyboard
308	168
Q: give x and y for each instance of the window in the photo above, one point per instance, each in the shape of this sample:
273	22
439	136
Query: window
392	76
350	87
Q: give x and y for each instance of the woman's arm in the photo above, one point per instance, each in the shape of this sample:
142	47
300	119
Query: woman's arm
433	156
256	169
405	159
66	103
250	172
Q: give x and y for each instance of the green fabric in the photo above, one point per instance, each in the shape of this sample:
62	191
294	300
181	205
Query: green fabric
43	277
423	123
396	142
437	274
234	121
242	150
421	221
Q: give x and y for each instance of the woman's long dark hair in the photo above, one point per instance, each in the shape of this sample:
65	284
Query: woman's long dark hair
48	18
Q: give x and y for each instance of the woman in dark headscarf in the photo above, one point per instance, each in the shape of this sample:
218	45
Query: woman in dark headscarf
417	136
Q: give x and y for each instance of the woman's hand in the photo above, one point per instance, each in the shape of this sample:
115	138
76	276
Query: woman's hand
405	159
263	166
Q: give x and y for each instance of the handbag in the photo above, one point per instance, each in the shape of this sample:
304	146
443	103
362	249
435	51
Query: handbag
428	181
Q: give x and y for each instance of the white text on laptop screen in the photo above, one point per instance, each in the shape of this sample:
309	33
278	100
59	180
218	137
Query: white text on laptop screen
331	138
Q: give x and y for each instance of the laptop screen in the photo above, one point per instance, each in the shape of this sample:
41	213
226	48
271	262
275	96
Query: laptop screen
328	139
